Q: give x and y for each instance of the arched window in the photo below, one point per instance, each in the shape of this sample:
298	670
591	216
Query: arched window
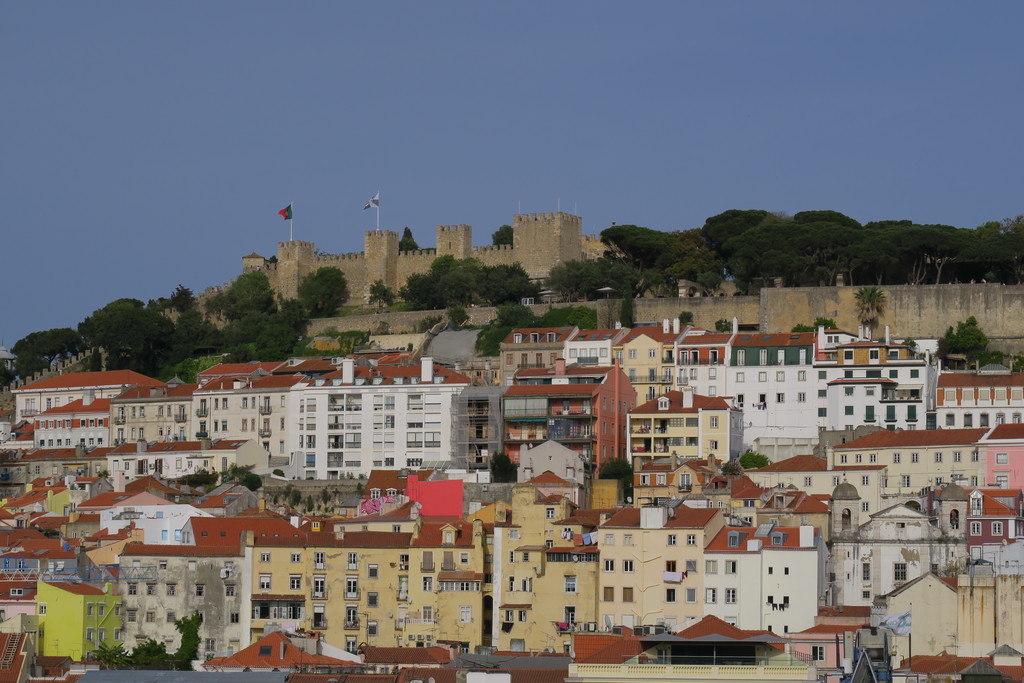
847	519
954	519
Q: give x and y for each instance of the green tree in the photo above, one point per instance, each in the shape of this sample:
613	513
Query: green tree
149	654
503	470
626	311
182	299
39	350
135	337
112	656
457	315
621	469
188	649
827	323
502	235
449	281
732	468
381	295
323	292
967	338
752	460
241	476
686	318
871	304
408	242
723	325
250	293
505	283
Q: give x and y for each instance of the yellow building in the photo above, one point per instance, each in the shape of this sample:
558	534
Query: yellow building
647	356
668	478
545	571
76	618
385	588
651	562
686	425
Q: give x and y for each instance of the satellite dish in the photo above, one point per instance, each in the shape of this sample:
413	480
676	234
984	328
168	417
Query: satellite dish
629	499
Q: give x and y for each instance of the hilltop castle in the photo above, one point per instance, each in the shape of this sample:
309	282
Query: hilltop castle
540	240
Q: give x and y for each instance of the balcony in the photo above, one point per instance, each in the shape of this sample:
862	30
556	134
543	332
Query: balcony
266	409
264	433
351	624
202	412
319	594
424	567
577	411
351	594
202	435
588	360
891	395
29	412
180	417
118	419
419	622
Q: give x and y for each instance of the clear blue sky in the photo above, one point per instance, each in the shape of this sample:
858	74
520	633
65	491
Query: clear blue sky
150	144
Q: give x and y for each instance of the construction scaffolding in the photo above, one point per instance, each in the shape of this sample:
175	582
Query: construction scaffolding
477	426
101	574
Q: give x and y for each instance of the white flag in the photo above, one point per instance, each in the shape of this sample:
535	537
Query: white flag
373	203
900	623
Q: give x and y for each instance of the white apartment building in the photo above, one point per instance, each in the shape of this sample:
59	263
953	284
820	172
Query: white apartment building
359	419
263	408
701	359
592	347
160	524
768	578
173	459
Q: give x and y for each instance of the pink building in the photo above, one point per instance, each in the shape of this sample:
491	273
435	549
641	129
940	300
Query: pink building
1002	453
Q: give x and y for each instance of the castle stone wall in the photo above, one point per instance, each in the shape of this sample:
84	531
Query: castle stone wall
540	241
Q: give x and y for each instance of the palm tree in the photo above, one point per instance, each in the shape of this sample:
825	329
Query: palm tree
871	302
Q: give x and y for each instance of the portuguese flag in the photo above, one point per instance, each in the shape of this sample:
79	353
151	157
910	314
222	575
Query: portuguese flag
286	213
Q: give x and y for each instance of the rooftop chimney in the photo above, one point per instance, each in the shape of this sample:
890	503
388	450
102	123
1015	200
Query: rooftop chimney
675	325
348	371
735	325
665	325
141	446
887	335
559	366
687	397
426	369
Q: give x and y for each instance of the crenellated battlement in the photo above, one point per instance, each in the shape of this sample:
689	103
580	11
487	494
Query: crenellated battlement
539	241
555	215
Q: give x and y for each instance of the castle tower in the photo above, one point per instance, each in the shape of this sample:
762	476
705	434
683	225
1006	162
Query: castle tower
381	249
541	240
455	240
845	511
295	260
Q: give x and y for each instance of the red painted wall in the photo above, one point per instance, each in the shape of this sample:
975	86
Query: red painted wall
436	497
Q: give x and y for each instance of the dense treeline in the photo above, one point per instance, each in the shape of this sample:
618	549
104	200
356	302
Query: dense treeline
167	336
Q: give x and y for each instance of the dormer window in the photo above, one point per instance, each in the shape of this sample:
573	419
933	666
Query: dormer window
374	493
517	338
449	537
392	492
534	337
663	403
776	538
734	539
551	336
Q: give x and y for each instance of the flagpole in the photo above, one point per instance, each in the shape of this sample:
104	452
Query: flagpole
291	223
378	210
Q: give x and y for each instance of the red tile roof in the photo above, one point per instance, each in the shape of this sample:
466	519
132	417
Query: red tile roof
77	588
181	550
774	339
405	655
547	477
675	404
798	463
790	540
176	391
561	334
1007	431
604	651
274	658
225	531
76	380
970	379
914	438
713	626
829	629
99	405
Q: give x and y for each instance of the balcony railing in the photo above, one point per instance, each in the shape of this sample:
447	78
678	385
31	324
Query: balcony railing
119	419
180	417
202	412
351	594
202	435
266	409
351	623
264	433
